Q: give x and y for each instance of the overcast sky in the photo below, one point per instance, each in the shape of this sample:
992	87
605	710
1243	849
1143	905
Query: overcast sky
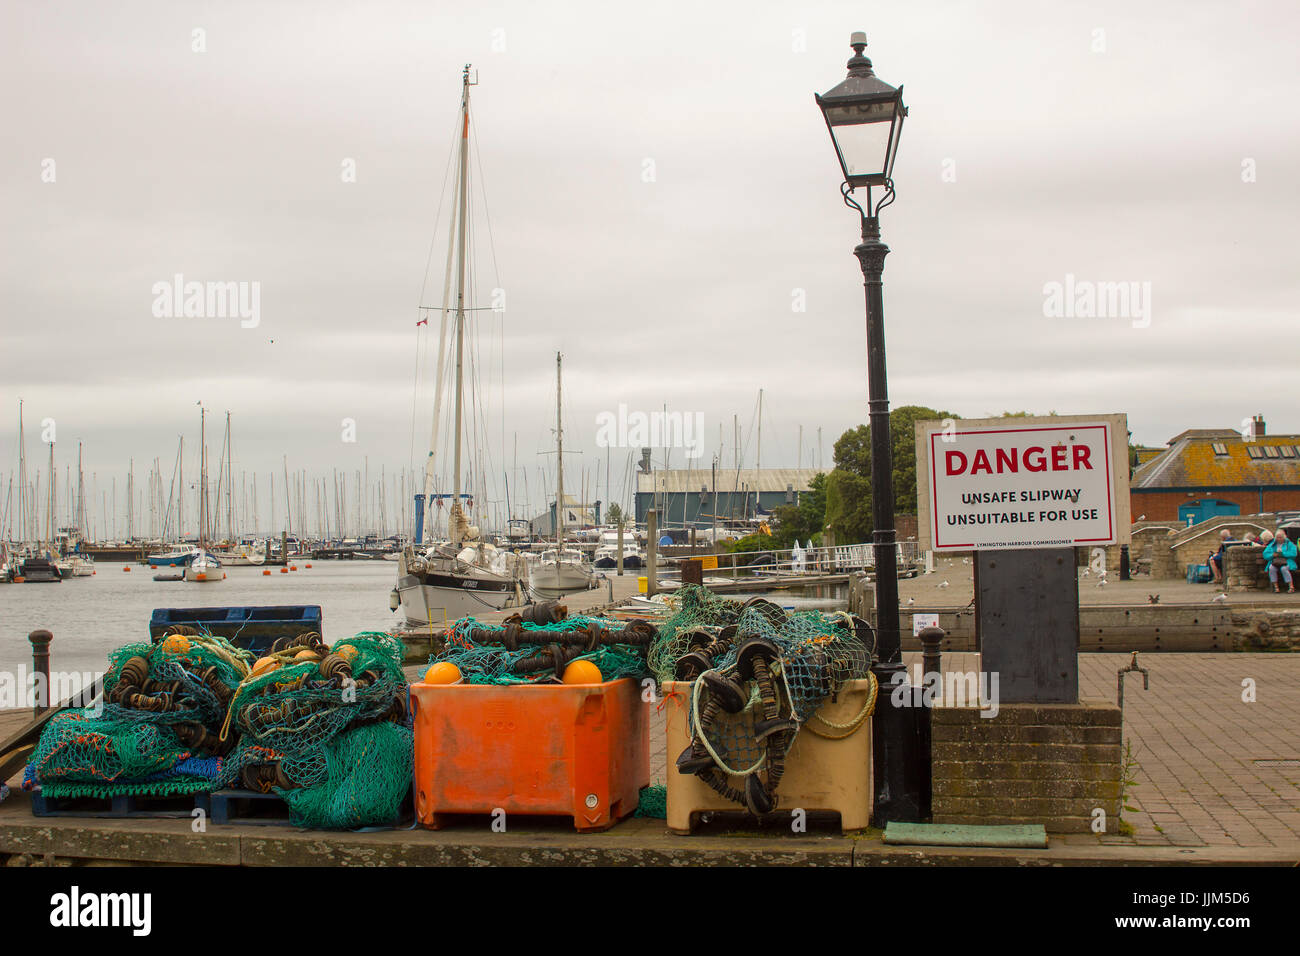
1152	143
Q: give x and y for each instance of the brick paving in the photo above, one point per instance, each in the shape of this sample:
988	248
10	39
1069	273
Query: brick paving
1195	744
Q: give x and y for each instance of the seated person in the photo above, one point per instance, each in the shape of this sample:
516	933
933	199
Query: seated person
1280	557
1215	560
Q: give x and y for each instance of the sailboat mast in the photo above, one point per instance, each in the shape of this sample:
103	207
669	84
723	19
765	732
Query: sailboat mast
460	294
559	468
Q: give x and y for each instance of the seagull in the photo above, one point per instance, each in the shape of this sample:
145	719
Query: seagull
1153	598
944	584
1220	599
1101	583
1142	517
1087	572
911	601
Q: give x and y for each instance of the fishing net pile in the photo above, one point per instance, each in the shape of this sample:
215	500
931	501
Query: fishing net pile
159	730
757	675
536	645
327	730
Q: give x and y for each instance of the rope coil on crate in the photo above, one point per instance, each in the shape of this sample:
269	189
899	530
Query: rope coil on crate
851	727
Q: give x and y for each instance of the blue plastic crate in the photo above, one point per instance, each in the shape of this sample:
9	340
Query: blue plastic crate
252	628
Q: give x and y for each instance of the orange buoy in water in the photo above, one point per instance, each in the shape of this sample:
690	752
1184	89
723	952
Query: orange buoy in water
266	571
263	665
582	672
309	564
284	570
293	567
443	672
126	569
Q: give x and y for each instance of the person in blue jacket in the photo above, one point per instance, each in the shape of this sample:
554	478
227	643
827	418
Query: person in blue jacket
1280	556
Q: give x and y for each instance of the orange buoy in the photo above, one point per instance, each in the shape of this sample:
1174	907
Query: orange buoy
263	665
176	644
293	567
200	577
126	569
582	672
309	564
443	672
349	653
306	654
284	570
266	571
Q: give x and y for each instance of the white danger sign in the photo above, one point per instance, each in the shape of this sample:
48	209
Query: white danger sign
1022	483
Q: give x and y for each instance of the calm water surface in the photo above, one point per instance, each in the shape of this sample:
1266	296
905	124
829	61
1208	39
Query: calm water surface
91	616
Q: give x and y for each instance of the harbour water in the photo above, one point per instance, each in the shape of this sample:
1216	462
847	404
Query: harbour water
91	616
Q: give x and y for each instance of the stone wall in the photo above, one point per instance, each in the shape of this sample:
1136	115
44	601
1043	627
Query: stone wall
1052	764
1260	629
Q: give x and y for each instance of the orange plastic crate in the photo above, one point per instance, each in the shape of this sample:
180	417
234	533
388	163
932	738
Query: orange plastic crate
579	750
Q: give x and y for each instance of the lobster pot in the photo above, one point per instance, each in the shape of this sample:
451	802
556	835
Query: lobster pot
577	750
821	774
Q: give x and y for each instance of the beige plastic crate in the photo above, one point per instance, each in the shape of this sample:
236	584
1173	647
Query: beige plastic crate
820	774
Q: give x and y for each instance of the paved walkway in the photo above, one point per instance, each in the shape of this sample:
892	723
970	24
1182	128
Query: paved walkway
1209	768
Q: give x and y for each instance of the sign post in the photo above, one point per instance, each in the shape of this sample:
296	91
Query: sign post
1021	493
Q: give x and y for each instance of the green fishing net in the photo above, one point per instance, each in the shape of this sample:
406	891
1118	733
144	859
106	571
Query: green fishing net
157	731
526	653
334	742
809	657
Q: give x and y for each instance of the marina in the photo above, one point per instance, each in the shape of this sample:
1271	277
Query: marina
548	436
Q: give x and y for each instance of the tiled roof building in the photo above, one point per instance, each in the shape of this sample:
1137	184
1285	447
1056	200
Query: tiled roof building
1209	471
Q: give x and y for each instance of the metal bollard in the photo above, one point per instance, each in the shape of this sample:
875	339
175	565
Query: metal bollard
41	669
931	663
931	651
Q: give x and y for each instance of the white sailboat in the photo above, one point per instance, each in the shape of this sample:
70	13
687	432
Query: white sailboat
560	570
204	568
464	575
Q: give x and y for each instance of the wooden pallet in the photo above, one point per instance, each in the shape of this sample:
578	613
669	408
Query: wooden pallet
248	807
145	806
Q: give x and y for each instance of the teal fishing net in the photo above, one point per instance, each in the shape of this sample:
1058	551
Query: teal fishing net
754	674
329	734
519	652
163	710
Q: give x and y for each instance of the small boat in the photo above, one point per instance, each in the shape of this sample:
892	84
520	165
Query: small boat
170	577
203	569
607	551
559	570
76	566
38	570
176	558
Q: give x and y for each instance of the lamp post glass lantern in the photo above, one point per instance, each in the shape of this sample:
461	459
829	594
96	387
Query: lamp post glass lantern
865	117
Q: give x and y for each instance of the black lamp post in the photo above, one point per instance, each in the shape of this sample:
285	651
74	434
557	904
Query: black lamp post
865	117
